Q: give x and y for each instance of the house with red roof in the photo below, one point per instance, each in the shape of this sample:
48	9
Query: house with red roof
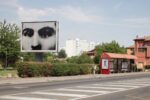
141	49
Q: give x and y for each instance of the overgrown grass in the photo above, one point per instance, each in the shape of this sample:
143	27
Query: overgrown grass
8	73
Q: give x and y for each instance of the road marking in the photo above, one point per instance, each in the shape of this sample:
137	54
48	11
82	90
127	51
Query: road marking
117	85
23	98
59	94
96	95
94	87
135	81
143	81
135	84
20	87
92	91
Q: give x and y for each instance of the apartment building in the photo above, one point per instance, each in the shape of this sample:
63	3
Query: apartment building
75	47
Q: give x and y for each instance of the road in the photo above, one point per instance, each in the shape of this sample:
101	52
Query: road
135	87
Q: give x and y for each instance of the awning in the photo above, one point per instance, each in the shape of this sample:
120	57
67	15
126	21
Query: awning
123	56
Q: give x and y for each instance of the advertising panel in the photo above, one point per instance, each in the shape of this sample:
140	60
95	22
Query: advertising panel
39	36
104	63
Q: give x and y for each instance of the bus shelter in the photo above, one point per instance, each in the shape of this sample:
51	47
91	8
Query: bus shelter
116	63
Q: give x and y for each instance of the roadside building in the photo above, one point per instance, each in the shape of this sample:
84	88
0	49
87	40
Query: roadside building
116	63
141	49
91	53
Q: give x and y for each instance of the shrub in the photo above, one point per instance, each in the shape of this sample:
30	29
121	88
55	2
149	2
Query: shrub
64	69
85	69
82	59
33	69
147	67
97	69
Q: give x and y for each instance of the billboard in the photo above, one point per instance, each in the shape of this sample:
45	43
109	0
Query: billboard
39	36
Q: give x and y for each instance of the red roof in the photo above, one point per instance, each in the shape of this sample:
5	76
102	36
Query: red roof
123	56
131	47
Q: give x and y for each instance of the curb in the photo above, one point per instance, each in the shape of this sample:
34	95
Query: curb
4	81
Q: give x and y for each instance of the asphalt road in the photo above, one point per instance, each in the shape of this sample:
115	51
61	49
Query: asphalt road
135	87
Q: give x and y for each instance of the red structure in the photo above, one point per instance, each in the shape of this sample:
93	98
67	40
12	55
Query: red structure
141	49
112	62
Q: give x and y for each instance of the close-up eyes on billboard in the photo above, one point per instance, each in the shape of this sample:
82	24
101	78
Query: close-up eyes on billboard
39	36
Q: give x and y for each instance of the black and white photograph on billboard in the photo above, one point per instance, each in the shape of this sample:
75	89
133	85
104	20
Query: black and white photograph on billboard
39	36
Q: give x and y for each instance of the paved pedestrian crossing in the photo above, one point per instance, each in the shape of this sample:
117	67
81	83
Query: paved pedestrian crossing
79	92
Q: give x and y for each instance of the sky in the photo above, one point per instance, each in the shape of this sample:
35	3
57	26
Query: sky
92	20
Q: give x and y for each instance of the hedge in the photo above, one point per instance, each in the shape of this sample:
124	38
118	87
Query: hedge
66	69
34	69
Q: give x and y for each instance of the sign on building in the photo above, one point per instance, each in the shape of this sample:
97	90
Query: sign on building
39	36
104	63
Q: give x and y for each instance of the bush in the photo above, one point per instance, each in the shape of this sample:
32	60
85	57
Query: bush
97	69
33	69
82	59
65	69
147	67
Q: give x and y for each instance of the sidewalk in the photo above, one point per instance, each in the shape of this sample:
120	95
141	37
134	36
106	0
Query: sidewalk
62	78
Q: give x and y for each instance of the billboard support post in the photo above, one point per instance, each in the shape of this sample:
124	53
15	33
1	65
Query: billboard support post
39	56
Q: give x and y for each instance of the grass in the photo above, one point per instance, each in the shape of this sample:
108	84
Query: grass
8	73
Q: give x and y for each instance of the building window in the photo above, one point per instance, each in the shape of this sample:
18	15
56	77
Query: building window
141	50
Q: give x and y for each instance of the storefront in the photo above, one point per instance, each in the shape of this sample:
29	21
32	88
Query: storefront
116	63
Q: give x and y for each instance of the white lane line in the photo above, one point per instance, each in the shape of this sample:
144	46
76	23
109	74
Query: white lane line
145	80
59	94
134	84
20	87
23	98
116	85
90	91
89	96
141	82
100	87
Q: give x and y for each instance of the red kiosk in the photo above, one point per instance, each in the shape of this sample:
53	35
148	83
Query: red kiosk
112	62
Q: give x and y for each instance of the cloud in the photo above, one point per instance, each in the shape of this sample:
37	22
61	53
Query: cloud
66	12
137	22
9	3
77	14
26	14
118	6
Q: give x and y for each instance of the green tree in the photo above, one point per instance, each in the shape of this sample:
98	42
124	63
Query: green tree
49	57
82	59
28	56
112	47
62	54
9	44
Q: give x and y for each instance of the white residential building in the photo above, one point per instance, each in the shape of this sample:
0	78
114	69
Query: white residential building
75	47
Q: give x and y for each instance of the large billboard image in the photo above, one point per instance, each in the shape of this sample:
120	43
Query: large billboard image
39	36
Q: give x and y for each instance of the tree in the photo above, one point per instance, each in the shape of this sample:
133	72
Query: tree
62	54
112	47
82	59
49	57
9	44
27	56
